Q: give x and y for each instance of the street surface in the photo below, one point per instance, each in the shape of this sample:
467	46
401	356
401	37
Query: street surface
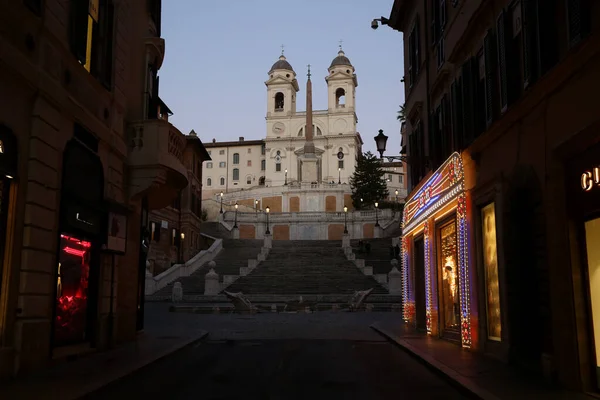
282	356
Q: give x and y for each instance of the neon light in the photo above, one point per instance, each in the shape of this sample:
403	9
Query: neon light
75	252
443	187
79	242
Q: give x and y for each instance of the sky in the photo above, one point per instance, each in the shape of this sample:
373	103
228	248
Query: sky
219	52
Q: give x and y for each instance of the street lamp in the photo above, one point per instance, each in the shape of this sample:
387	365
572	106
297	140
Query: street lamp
235	217
376	217
182	236
345	219
380	142
396	195
339	176
285	177
256	206
267	210
221	212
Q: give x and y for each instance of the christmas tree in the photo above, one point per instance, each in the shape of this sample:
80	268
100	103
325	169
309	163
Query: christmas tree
367	182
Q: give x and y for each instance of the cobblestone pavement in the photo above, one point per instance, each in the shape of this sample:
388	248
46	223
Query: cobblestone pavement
283	356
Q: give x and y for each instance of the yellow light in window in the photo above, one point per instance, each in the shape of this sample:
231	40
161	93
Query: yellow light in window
88	49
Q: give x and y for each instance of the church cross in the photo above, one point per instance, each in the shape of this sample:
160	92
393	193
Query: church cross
282	47
341	41
308	71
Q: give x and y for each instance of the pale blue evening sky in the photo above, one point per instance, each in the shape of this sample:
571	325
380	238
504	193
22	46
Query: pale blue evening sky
218	54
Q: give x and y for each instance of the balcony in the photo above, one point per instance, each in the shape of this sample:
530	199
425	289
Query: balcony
156	162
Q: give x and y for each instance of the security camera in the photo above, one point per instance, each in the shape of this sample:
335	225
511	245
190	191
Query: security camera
374	24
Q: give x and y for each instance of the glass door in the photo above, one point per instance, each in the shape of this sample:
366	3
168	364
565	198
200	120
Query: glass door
592	239
448	275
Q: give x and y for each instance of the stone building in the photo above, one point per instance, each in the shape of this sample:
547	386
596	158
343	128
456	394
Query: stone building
510	86
275	160
175	230
86	151
395	178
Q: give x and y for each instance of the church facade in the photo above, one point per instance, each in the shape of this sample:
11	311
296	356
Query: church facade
275	160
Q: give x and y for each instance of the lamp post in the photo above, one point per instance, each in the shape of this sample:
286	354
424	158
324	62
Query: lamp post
380	141
181	247
376	217
256	206
267	210
285	177
345	219
396	195
235	217
339	176
221	212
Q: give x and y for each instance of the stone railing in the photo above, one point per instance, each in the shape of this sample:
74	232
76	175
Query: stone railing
358	216
263	191
153	284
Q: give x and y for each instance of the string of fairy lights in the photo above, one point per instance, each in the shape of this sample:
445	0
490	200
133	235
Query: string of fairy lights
446	185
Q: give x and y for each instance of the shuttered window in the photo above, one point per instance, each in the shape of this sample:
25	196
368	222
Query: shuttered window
502	42
468	101
414	54
490	73
578	20
78	21
102	44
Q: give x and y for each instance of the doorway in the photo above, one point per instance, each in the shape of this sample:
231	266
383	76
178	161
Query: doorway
592	244
448	277
419	268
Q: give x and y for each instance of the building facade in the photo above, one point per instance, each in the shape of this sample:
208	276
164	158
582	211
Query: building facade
509	86
275	160
85	152
175	230
395	178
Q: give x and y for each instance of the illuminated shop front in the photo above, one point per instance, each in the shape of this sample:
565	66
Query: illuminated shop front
584	211
436	269
82	228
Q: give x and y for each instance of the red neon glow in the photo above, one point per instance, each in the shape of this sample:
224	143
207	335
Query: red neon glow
75	252
80	242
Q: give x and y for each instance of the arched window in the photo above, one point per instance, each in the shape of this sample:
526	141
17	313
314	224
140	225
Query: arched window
236	158
236	174
263	165
209	182
249	180
279	101
340	97
222	181
316	131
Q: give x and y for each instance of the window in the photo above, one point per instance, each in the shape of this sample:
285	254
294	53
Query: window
209	182
417	154
154	8
401	179
278	167
222	164
222	181
389	177
221	152
340	98
490	266
155	231
236	174
152	84
236	158
175	237
414	53
249	151
248	180
341	164
35	6
263	165
279	101
448	271
263	150
176	203
209	165
249	163
489	53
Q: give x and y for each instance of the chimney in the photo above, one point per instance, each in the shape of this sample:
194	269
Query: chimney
214	140
241	138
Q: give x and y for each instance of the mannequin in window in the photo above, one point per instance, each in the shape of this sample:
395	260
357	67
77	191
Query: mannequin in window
451	295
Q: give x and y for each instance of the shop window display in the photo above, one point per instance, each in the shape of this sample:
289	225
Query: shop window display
490	264
72	290
449	273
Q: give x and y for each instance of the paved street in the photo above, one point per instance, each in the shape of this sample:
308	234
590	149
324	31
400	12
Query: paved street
283	356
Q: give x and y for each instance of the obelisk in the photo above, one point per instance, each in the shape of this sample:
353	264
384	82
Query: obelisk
309	159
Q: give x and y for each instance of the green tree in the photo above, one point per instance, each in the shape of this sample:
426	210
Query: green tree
367	182
401	114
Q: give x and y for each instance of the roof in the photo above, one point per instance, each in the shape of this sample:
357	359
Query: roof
236	143
282	63
192	140
341	59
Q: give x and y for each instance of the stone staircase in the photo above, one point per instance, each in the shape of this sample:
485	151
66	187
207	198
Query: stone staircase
310	267
215	229
235	254
379	258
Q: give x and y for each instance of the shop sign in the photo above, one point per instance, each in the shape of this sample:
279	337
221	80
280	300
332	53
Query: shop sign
589	178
